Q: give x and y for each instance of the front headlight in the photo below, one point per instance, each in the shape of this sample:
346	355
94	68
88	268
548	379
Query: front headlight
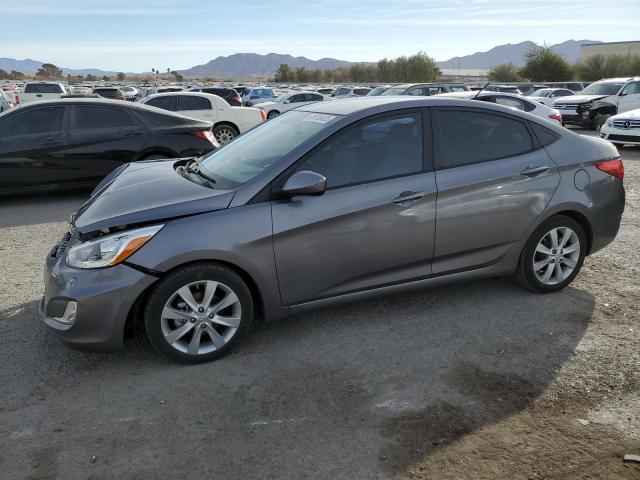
111	249
609	123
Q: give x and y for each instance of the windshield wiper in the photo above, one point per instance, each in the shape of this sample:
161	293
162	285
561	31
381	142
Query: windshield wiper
200	173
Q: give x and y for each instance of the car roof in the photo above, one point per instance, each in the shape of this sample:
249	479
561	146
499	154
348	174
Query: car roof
100	102
616	80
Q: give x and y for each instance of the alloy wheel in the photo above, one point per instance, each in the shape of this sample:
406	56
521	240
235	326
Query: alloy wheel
201	317
556	255
224	135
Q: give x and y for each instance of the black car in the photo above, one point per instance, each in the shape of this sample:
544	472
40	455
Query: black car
228	94
74	143
113	93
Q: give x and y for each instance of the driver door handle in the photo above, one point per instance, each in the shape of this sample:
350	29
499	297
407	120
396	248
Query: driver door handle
408	197
532	171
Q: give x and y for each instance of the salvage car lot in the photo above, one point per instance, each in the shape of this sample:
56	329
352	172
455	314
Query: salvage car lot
479	380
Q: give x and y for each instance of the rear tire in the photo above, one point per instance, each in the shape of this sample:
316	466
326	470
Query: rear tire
272	114
198	313
553	255
224	133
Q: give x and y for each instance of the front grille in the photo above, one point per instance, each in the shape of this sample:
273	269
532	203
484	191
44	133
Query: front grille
567	106
622	123
62	245
624	138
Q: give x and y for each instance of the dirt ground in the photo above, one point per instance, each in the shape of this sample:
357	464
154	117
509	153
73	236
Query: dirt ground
479	380
548	437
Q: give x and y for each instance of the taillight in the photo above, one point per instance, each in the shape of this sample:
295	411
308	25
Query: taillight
263	115
612	167
207	136
556	116
17	102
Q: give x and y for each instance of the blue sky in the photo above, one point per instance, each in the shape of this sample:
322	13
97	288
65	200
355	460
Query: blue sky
140	34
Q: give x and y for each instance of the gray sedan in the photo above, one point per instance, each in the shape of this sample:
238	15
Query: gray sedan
328	203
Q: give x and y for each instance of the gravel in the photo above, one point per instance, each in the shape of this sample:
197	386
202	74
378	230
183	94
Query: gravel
475	380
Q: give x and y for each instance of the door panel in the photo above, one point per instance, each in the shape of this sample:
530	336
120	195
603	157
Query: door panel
492	186
354	238
94	152
31	147
483	209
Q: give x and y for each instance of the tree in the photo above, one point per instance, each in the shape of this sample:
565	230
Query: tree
16	75
49	70
506	72
4	74
177	76
543	65
121	76
168	71
91	78
283	74
105	78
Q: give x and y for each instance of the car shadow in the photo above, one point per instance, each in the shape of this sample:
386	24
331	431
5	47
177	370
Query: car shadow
365	390
40	208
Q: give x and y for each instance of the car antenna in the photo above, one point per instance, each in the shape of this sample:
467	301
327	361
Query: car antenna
485	86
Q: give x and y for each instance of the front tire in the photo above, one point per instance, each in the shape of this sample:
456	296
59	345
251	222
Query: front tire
272	114
553	255
198	313
599	121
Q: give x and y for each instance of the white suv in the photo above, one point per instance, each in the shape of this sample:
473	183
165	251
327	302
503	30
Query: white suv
592	106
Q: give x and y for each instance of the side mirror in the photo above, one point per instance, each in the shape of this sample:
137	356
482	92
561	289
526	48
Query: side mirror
622	94
305	183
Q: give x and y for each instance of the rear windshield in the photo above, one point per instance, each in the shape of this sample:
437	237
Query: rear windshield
262	93
43	88
361	91
394	91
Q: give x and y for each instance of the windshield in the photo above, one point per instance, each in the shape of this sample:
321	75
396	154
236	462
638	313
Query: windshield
602	89
250	154
543	92
394	91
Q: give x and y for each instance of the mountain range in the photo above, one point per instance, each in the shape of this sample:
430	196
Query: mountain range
513	53
245	65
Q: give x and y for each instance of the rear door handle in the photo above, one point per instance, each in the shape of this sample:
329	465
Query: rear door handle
408	197
532	171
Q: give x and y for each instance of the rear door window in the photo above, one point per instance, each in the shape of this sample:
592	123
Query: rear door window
189	102
33	122
465	137
87	117
166	102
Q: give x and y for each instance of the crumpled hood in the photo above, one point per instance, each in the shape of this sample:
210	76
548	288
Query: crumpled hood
571	99
144	192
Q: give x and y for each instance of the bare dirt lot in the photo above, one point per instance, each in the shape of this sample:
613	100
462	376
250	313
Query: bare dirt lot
481	380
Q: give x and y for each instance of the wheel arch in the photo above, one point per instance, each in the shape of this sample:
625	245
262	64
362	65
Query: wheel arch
227	123
134	320
578	217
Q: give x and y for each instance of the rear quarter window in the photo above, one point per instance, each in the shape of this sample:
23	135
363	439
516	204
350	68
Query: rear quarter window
544	135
